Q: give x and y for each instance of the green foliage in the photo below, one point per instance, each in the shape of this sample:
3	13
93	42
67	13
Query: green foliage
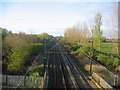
17	59
19	48
45	36
68	43
37	72
74	46
108	48
116	62
20	55
4	32
103	39
85	50
97	33
108	61
35	48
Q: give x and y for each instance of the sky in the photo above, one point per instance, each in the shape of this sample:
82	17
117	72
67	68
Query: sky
51	17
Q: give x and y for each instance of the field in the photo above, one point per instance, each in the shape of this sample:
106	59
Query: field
109	48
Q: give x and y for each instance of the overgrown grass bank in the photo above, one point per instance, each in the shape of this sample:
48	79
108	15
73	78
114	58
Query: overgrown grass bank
81	51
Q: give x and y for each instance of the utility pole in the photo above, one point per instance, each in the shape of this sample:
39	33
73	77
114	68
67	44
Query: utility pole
91	55
44	52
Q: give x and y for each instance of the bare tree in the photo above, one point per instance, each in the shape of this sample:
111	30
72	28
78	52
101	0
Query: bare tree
72	34
78	33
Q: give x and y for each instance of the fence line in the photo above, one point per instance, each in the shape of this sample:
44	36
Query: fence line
29	81
111	78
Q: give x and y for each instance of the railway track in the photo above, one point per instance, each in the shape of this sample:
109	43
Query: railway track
63	72
56	78
80	80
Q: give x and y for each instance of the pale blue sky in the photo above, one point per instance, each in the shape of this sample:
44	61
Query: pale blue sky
51	17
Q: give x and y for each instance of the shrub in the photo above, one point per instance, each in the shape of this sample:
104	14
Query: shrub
116	62
37	72
35	48
19	55
84	50
75	46
22	46
108	61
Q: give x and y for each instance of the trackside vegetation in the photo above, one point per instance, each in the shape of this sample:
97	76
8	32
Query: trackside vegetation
81	51
84	39
37	71
18	49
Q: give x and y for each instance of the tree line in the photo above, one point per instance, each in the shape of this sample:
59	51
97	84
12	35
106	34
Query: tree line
17	49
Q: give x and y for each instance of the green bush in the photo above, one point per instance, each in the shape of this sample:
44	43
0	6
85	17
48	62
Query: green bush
19	55
22	47
68	43
37	72
108	61
18	58
84	50
87	50
35	48
44	37
74	46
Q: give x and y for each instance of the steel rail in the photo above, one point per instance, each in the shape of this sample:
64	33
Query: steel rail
77	69
52	71
54	67
62	74
77	73
69	71
80	79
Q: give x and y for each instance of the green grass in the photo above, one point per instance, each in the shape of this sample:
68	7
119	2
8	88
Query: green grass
105	55
109	48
